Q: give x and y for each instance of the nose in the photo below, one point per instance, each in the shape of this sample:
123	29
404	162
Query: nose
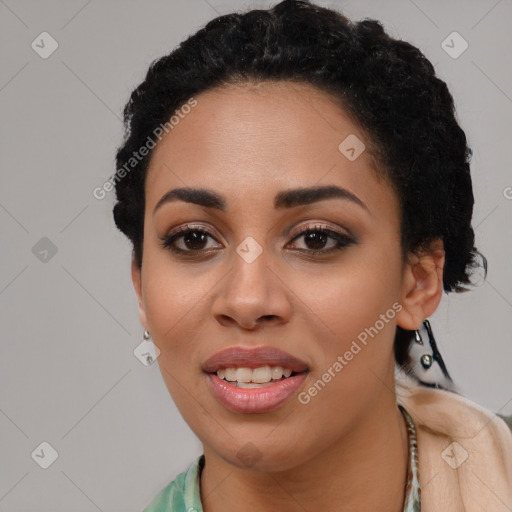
252	295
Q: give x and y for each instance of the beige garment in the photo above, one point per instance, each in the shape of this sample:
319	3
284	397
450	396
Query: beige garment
474	474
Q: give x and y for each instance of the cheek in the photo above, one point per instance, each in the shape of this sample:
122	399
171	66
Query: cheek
174	302
352	296
355	322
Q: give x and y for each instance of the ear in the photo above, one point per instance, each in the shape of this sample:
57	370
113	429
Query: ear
137	284
422	286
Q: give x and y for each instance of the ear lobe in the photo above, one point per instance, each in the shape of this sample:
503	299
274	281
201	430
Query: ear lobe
137	284
422	287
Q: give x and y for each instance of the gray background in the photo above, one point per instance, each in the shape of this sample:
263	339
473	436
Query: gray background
69	320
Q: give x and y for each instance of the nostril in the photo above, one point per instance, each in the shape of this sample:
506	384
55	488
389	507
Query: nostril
268	317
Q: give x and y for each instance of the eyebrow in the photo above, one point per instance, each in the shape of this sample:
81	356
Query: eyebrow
284	199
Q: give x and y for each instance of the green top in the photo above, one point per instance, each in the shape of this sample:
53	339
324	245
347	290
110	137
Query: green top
183	494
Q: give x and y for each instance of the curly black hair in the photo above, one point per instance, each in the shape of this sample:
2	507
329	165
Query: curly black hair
386	85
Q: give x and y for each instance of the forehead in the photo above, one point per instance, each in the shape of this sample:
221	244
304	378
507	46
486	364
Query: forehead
259	139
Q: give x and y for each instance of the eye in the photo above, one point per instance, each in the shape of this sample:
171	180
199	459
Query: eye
194	241
193	238
316	238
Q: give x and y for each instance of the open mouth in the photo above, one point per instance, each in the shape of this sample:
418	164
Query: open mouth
249	378
254	380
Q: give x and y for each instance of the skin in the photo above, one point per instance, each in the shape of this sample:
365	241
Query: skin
248	144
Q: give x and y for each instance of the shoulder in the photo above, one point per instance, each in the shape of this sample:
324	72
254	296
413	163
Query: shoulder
182	494
451	414
465	450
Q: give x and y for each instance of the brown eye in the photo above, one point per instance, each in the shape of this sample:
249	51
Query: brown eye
317	237
195	240
192	240
316	240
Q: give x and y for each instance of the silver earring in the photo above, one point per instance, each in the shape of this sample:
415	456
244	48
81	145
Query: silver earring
426	360
150	355
440	380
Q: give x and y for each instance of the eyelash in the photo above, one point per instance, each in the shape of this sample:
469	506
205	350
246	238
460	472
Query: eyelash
342	241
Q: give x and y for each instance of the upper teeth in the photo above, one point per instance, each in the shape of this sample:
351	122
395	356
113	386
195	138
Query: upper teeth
259	375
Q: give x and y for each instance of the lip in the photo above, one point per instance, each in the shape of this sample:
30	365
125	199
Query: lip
238	357
255	400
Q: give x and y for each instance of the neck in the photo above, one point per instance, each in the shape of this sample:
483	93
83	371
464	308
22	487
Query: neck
366	469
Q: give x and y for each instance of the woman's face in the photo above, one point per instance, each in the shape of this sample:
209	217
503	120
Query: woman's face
254	281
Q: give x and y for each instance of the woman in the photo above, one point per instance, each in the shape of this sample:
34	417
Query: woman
296	214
